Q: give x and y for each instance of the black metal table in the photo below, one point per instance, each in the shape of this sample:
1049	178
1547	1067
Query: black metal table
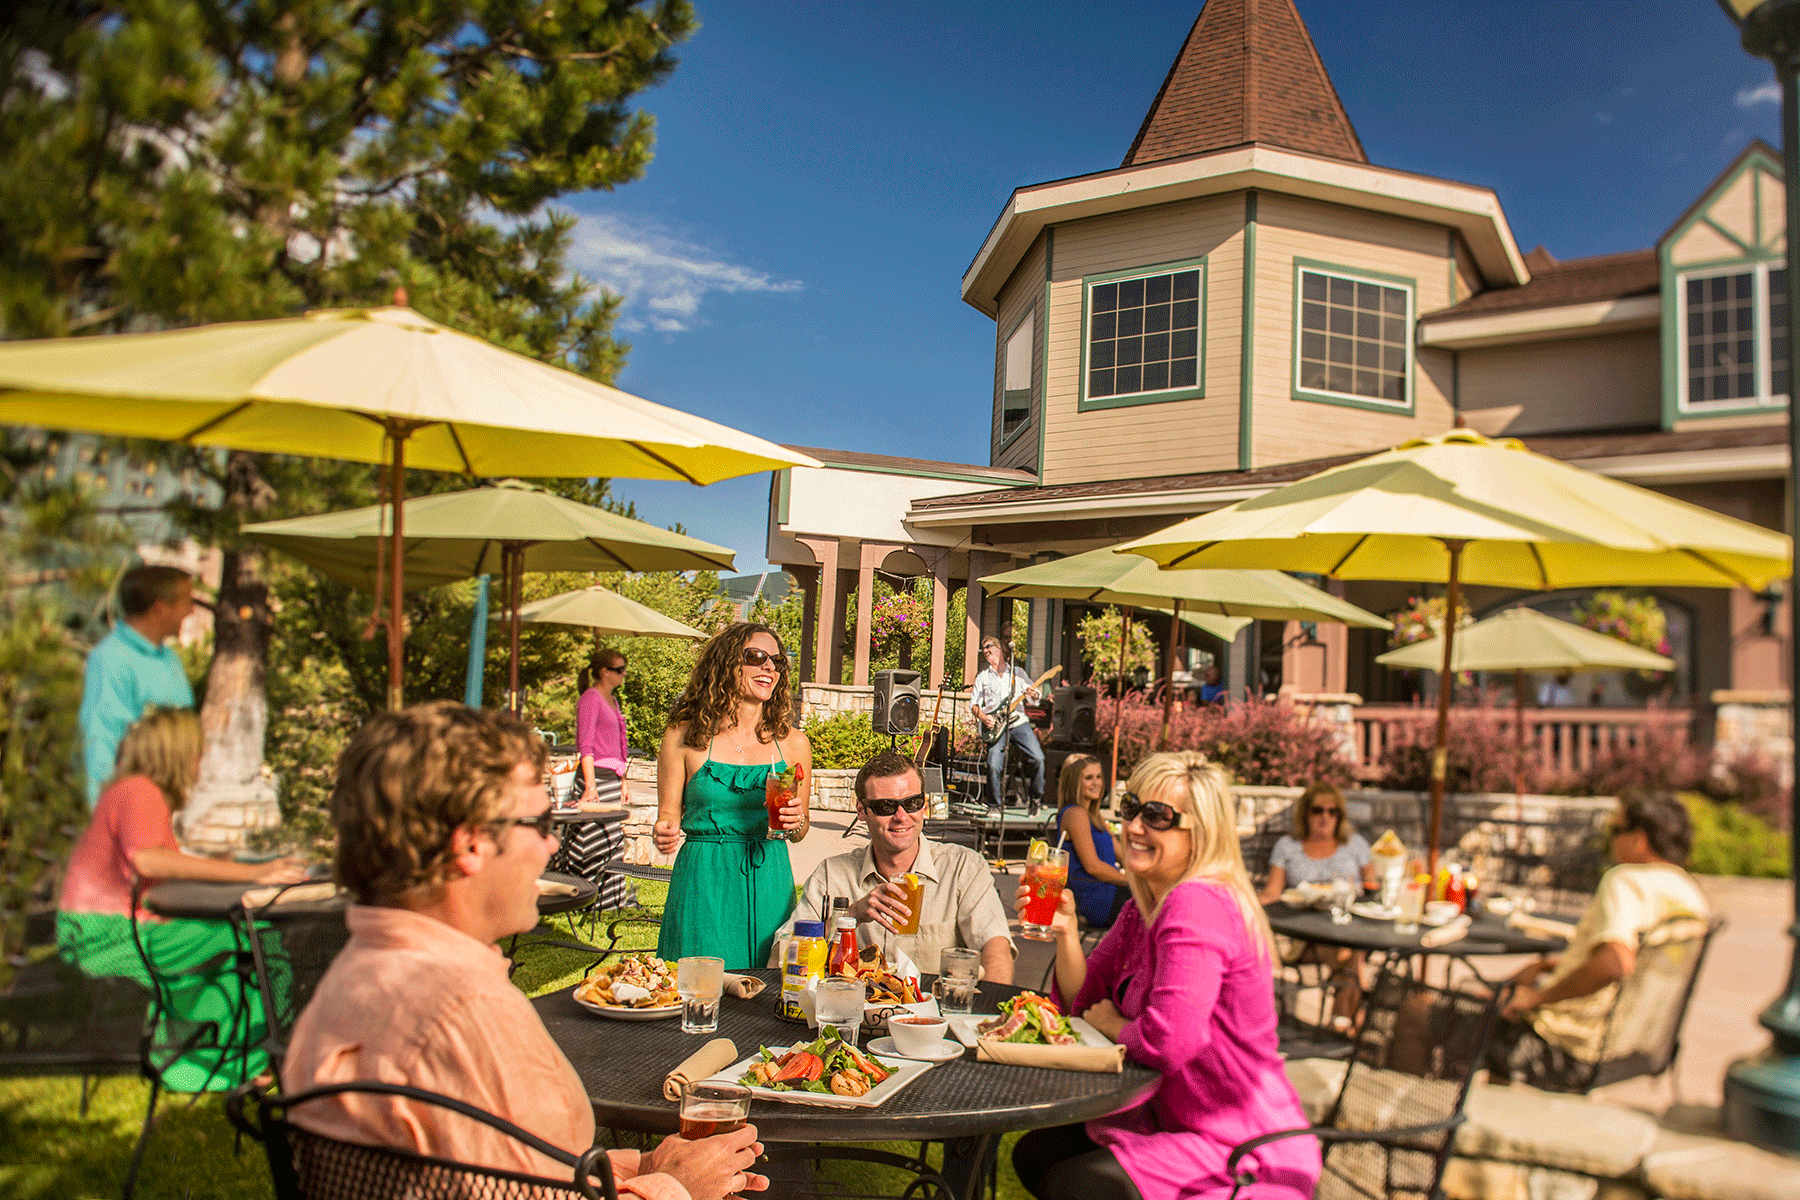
1487	935
963	1103
217	901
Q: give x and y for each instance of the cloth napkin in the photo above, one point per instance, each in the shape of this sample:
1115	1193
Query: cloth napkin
553	887
1542	927
703	1063
1450	931
296	894
744	987
1098	1059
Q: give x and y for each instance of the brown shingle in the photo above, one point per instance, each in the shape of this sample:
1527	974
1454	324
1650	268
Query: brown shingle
1578	281
1248	72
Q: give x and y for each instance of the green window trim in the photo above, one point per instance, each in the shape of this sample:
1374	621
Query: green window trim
1085	403
1757	265
1343	399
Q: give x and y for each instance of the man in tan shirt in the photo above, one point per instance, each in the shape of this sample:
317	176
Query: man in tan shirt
959	906
443	827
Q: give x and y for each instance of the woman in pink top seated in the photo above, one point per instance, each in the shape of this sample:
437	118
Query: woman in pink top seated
1183	980
132	837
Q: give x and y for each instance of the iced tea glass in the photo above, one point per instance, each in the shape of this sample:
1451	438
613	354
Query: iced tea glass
709	1108
1046	872
701	983
779	791
915	896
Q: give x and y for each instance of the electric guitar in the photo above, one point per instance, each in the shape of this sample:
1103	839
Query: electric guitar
1003	717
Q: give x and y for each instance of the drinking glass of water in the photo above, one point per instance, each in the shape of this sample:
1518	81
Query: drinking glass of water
957	973
1343	894
700	981
840	1005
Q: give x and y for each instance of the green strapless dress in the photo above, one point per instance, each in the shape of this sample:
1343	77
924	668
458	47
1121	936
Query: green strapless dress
732	886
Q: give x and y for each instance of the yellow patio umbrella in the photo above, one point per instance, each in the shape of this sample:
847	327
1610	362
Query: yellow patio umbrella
608	612
1458	508
378	385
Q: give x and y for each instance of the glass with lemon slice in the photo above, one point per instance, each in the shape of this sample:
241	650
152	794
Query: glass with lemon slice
1046	874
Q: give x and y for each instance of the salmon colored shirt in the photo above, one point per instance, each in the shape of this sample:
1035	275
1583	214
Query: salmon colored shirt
130	816
412	1000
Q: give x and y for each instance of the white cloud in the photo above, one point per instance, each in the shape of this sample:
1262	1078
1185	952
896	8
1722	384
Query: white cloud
663	278
1603	118
1768	93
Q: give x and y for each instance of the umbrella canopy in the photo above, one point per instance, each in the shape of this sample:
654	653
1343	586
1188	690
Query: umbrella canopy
1458	508
379	385
608	612
1225	629
459	535
1523	639
1103	577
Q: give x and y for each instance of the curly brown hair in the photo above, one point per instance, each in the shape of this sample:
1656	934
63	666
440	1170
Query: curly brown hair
408	781
710	698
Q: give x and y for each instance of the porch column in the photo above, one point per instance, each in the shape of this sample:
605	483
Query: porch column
821	631
940	617
871	557
809	619
840	623
975	606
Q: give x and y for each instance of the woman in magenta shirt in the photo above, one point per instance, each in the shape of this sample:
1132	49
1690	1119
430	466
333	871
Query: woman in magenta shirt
600	736
1183	981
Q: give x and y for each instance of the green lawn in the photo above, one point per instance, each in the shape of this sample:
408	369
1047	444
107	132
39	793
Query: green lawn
49	1151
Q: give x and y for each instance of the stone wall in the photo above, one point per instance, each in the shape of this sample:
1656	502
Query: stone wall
1754	726
223	828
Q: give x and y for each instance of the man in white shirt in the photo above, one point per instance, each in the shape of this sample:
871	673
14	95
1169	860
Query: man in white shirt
1556	1018
996	687
958	907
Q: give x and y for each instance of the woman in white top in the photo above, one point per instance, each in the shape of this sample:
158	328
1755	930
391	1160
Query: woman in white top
1324	848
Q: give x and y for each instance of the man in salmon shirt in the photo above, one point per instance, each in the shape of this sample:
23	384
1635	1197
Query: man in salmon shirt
443	827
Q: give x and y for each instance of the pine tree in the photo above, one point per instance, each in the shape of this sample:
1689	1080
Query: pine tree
176	162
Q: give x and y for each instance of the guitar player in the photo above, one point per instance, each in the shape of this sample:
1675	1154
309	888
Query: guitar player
996	687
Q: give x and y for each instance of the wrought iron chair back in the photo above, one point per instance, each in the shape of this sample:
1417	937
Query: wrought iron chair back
1389	1132
310	1166
290	955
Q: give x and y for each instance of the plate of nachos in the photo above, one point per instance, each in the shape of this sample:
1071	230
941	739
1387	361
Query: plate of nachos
637	987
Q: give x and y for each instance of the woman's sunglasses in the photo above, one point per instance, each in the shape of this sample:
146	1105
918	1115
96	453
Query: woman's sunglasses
1327	812
1154	813
755	656
888	807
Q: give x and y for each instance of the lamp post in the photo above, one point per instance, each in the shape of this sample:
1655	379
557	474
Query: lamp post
1762	1093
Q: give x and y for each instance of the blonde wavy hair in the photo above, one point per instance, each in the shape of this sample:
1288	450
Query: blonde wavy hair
1189	784
164	747
407	781
711	697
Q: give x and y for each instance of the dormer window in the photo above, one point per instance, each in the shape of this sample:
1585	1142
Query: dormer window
1354	337
1145	331
1734	337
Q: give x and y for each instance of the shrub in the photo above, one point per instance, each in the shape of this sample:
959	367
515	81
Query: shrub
843	742
1730	841
1482	755
1259	743
1660	762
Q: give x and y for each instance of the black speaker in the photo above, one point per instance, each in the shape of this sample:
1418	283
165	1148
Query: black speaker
897	702
1072	715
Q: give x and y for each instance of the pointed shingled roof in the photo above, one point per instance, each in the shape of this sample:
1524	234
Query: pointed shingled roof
1248	72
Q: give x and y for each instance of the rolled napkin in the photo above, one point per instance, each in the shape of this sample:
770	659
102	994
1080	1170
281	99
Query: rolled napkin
703	1063
1098	1059
1542	927
744	987
555	887
300	893
1450	931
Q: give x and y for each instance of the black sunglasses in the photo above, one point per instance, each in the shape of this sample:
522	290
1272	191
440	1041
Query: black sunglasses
756	656
620	668
1330	812
1155	814
888	807
544	823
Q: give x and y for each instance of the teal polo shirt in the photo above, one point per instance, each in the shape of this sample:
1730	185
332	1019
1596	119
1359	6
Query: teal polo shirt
125	675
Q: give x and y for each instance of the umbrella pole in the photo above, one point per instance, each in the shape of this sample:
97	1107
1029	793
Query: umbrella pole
1518	751
1440	751
398	433
1119	700
1162	743
514	596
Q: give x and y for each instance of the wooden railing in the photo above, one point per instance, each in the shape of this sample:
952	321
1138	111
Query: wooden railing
1560	740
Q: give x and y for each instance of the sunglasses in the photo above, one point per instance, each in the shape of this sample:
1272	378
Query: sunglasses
1154	813
543	824
755	657
620	669
1327	812
887	808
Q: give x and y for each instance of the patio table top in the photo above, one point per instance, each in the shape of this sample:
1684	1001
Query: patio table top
1487	935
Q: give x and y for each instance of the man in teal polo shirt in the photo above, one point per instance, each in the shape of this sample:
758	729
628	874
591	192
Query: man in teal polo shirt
132	668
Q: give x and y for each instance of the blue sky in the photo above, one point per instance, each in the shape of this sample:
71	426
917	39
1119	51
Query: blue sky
825	171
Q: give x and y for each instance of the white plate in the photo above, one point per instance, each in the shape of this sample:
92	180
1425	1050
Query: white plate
620	1013
944	1051
905	1071
1371	911
963	1026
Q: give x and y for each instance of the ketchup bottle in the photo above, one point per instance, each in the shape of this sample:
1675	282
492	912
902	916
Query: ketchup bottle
844	950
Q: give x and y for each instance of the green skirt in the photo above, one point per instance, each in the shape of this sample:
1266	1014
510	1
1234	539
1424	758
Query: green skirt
728	897
198	981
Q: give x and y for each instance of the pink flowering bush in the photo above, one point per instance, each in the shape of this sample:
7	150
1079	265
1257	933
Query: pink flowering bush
1257	742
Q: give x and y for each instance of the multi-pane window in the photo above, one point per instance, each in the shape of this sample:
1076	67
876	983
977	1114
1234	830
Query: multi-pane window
1015	391
1144	334
1355	336
1735	337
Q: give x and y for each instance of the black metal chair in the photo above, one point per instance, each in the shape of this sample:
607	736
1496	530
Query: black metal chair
1389	1132
56	1019
310	1166
1643	1028
290	955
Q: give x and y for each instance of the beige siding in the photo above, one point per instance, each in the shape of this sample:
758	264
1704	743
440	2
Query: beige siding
1570	384
1468	275
1772	198
1170	438
1734	211
1022	293
1702	244
1288	430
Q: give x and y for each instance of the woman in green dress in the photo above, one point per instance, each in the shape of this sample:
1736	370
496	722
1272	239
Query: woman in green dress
732	888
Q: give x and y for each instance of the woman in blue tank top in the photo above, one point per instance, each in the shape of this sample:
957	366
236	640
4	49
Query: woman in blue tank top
1094	874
